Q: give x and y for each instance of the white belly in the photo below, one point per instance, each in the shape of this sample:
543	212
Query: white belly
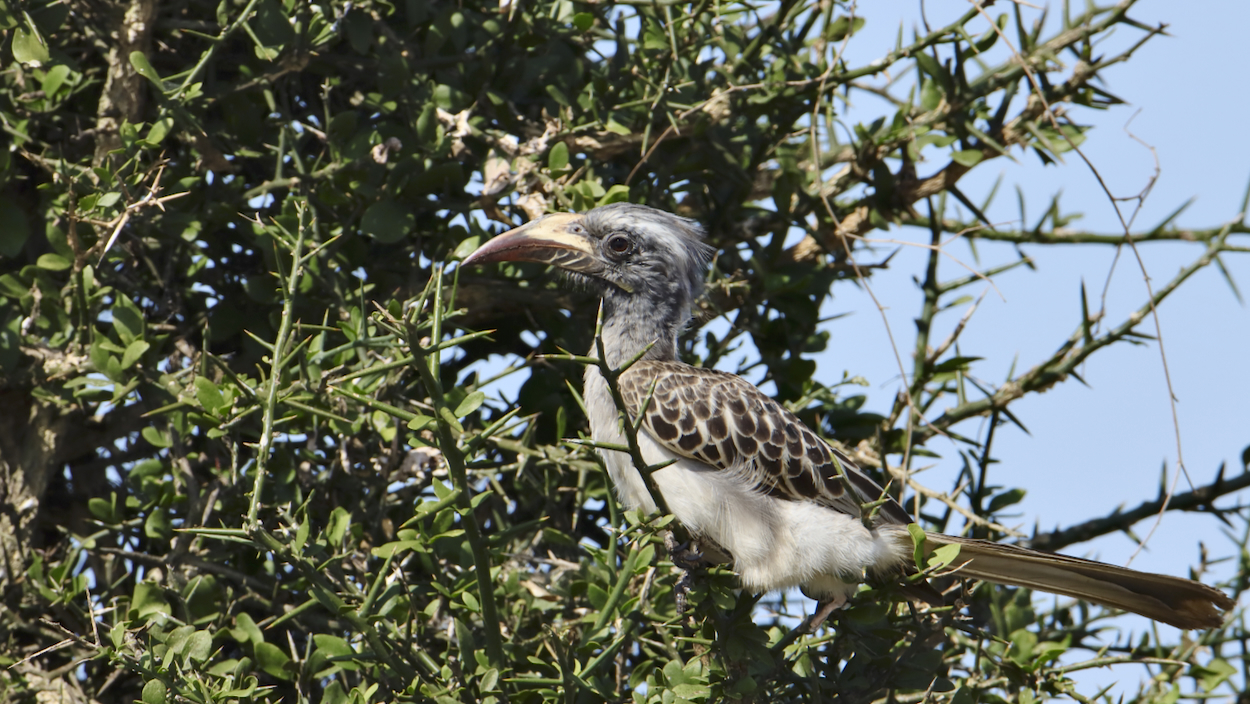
775	543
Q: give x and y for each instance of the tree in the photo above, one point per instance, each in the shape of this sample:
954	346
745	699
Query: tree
253	444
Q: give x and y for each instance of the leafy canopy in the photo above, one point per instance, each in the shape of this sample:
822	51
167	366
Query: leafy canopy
260	446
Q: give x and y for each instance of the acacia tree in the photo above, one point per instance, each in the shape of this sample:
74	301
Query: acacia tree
253	445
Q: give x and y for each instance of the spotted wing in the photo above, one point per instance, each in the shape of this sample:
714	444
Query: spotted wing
724	421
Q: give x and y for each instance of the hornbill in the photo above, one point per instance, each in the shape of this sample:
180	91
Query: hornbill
746	477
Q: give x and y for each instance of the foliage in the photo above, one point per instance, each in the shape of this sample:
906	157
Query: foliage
254	445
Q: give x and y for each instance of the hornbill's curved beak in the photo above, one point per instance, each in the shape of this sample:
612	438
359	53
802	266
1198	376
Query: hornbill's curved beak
557	239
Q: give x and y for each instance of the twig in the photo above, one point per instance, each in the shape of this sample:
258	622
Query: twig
1200	499
1069	355
426	361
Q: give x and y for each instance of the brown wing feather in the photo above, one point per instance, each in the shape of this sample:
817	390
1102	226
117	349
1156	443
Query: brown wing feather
724	421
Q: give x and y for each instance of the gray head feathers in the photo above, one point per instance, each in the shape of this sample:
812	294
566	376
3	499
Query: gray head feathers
666	254
647	264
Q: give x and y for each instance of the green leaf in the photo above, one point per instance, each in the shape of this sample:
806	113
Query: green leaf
175	643
333	646
209	396
103	362
954	364
52	262
134	351
154	692
108	345
301	536
384	423
967	157
930	95
387	221
918	539
440	179
273	27
986	41
1023	642
1213	674
54	79
156	437
583	21
142	67
420	423
157	525
334	694
471	403
471	601
272	660
29	47
198	647
943	556
339	521
558	158
14	227
645	557
102	509
148	599
1005	499
1047	652
930	66
466	247
441	490
557	94
447	415
127	320
615	194
10	285
617	128
691	692
842	26
937	139
390	549
597	595
159	130
247	631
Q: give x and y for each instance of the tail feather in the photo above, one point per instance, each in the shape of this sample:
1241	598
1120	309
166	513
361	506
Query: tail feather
1179	602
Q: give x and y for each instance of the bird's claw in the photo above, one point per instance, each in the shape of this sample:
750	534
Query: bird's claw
682	554
687	560
824	609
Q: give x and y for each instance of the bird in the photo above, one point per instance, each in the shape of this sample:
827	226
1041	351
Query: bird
742	473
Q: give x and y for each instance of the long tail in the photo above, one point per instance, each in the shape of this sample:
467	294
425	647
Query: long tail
1183	603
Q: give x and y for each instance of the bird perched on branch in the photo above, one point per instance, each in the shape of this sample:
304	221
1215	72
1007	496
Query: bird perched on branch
744	473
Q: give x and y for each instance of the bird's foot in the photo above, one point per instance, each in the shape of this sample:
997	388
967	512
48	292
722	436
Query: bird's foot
683	555
687	560
681	593
824	609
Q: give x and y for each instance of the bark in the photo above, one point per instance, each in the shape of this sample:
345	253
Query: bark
124	96
39	437
29	434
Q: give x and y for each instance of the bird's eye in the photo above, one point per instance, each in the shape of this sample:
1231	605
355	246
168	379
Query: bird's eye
619	244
